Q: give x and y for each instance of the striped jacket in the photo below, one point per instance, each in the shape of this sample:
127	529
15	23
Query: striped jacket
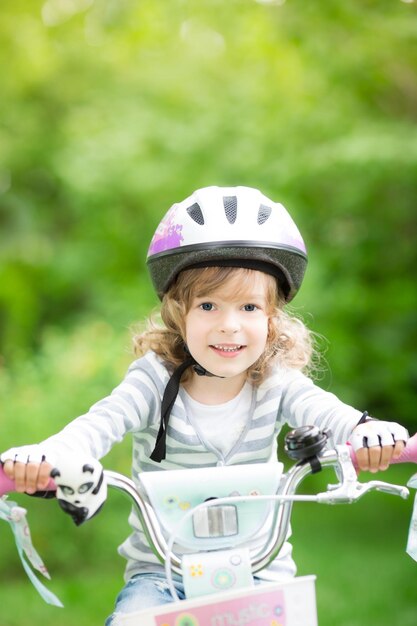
286	397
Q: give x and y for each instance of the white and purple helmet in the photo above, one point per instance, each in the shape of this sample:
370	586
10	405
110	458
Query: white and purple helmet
228	226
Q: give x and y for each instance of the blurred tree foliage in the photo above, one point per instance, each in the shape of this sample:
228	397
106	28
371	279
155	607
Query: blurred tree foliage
111	110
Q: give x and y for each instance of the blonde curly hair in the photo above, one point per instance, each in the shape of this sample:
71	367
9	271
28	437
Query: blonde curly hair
289	341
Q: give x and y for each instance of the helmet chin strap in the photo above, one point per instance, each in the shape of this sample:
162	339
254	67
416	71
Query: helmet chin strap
199	369
168	400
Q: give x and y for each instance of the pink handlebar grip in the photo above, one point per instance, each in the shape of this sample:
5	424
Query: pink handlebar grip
408	455
7	485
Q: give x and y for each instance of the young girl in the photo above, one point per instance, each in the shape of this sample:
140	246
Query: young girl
217	381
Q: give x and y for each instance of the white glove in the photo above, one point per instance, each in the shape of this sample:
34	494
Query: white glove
376	433
27	454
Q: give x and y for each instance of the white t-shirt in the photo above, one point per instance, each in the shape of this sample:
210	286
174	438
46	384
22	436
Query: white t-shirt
221	425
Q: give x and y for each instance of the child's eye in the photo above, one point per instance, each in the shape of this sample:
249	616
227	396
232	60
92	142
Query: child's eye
250	307
206	306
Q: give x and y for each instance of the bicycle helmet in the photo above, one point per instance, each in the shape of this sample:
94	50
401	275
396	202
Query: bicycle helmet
228	226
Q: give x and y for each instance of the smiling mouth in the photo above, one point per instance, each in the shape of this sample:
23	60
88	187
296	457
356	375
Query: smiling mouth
223	348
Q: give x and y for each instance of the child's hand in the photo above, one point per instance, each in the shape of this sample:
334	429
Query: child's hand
378	458
28	467
377	443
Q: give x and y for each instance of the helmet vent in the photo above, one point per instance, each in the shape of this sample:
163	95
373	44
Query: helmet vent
195	212
263	214
230	208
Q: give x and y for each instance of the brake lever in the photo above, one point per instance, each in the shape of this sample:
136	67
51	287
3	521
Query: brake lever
348	493
349	489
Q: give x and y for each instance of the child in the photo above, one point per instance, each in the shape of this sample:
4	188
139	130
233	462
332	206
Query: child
218	380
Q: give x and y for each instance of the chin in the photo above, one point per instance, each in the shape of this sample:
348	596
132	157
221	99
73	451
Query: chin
227	372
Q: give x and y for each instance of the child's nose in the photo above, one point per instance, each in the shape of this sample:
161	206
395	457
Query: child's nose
229	323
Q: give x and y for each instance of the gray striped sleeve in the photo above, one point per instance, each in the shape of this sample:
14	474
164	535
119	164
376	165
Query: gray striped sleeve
127	409
304	403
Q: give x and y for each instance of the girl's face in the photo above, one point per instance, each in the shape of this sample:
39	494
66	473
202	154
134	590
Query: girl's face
226	330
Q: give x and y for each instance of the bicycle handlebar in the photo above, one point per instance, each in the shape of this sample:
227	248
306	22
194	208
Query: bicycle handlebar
409	455
342	459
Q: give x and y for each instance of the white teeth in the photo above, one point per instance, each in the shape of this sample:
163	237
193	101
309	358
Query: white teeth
227	348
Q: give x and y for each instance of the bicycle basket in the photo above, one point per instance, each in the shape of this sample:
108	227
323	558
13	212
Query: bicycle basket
173	493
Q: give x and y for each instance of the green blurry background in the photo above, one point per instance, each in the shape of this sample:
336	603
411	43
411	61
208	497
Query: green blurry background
110	111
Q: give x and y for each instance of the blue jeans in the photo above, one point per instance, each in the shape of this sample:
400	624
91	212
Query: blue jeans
142	592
